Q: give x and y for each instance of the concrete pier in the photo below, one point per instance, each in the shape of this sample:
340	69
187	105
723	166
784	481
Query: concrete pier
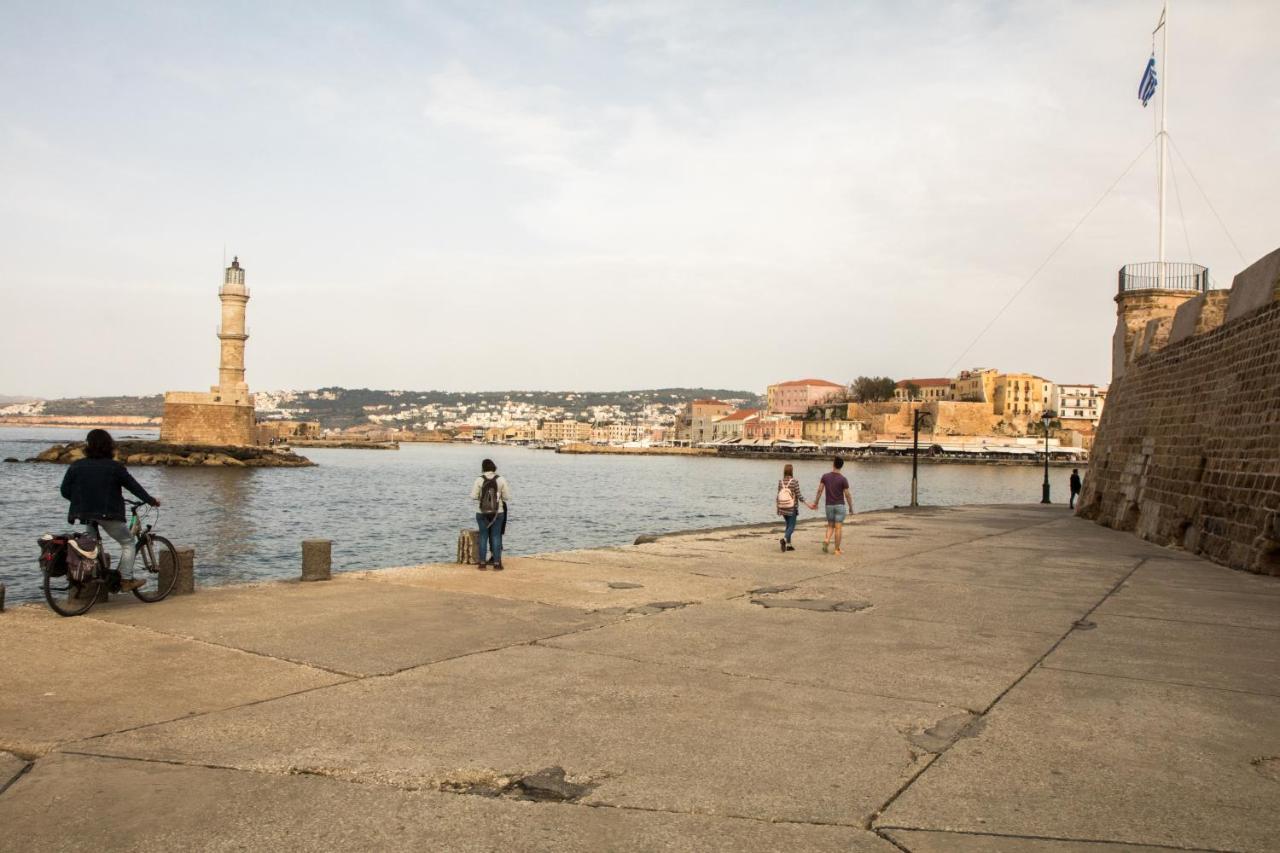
962	679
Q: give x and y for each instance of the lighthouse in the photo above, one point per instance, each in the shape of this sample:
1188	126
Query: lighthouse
225	415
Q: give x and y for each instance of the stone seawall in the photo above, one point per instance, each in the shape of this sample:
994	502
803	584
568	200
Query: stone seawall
1188	451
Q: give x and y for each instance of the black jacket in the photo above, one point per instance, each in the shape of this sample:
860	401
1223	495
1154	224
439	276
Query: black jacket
93	487
1075	482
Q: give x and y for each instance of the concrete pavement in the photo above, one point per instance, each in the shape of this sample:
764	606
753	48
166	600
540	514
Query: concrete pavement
962	679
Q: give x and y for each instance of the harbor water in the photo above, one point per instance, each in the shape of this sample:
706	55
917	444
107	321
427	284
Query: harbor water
403	507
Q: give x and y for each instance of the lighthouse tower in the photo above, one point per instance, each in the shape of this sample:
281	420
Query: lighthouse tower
232	335
224	415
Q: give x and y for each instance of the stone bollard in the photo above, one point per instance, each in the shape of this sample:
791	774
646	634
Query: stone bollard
468	545
185	583
317	559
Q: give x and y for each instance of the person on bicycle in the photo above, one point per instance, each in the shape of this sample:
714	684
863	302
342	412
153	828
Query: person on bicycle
92	485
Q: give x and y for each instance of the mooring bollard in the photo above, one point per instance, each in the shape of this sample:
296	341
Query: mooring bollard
317	559
185	582
468	545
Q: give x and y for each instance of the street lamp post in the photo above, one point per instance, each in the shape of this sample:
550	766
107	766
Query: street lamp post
917	419
1045	417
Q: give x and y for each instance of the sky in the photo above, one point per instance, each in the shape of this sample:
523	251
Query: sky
612	195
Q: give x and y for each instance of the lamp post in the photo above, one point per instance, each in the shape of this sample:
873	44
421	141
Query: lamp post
918	419
1046	416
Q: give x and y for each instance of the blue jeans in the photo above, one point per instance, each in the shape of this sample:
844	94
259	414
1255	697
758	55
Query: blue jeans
791	525
118	531
490	532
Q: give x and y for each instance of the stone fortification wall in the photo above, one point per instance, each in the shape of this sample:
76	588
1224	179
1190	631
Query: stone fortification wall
196	418
1188	450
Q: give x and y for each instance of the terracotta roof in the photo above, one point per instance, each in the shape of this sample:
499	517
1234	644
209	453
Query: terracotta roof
925	383
821	382
741	415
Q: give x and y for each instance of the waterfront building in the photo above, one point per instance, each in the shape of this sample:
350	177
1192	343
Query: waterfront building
614	433
731	425
795	397
975	386
1021	396
1079	405
701	417
565	431
772	428
224	415
928	390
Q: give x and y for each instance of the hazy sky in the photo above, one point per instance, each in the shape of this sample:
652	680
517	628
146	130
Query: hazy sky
466	195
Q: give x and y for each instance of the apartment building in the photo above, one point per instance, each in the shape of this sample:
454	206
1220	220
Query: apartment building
795	397
773	427
1079	403
702	415
928	390
1022	396
731	425
975	386
565	431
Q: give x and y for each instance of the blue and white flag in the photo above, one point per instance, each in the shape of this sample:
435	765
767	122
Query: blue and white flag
1147	88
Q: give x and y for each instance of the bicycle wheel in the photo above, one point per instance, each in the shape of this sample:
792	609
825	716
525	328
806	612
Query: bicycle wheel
72	599
156	553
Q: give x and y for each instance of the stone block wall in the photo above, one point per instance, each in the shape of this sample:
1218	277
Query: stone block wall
193	418
1188	450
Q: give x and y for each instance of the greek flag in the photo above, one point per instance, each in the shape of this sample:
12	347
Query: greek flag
1147	88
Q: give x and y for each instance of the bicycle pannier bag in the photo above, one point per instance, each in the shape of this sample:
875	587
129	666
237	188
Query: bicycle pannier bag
82	555
53	555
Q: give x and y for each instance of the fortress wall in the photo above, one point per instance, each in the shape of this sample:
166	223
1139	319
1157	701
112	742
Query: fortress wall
194	418
1188	450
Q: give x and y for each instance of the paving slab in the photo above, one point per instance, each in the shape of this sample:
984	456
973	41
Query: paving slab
10	766
998	567
1068	755
646	736
1195	573
1025	609
1221	656
915	841
102	678
354	627
955	665
1147	597
584	586
165	808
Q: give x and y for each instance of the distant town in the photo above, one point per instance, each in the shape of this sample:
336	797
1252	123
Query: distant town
980	412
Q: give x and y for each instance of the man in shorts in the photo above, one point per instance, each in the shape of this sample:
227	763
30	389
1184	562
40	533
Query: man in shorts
838	495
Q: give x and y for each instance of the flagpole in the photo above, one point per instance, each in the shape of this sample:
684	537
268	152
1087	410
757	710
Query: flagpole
1164	130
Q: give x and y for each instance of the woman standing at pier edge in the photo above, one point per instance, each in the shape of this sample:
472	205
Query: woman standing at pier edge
789	500
492	493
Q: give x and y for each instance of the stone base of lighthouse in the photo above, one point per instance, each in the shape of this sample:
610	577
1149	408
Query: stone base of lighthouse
216	418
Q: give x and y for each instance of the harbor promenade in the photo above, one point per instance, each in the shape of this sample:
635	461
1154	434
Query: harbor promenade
986	678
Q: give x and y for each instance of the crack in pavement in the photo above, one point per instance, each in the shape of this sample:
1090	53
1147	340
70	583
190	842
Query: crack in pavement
1034	665
1020	837
1159	681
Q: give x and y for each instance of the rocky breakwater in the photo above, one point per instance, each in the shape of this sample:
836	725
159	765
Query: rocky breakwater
182	455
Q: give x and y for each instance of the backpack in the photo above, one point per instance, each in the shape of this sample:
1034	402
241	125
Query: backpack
53	554
82	556
490	502
786	500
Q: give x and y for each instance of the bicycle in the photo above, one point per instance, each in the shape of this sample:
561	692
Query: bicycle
155	554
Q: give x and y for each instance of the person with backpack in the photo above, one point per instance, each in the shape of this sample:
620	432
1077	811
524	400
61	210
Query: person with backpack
492	493
92	485
789	500
835	488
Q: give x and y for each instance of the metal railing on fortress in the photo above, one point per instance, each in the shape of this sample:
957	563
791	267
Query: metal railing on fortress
1177	276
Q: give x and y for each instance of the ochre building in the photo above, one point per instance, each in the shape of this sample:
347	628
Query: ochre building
225	414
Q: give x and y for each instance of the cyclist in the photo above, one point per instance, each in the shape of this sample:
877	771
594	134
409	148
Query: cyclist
92	485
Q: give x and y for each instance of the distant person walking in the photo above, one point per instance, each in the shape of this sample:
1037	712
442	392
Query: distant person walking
492	493
92	485
1075	487
835	488
789	500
